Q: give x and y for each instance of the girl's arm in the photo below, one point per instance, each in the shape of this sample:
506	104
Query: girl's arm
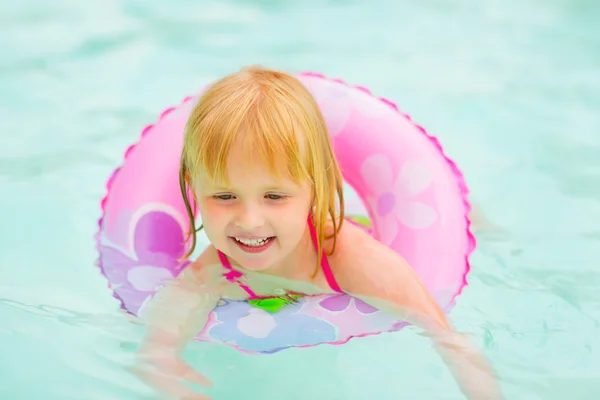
173	317
379	276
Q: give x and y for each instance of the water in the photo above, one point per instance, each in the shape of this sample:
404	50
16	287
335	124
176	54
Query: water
511	88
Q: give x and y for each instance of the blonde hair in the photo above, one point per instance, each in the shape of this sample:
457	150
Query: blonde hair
277	117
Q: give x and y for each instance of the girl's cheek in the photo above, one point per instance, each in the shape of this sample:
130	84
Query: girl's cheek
213	210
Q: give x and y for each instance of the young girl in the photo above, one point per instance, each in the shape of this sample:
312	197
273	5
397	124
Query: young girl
258	160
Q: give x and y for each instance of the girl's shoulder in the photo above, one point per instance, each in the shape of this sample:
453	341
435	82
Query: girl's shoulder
207	267
350	241
359	259
347	251
208	257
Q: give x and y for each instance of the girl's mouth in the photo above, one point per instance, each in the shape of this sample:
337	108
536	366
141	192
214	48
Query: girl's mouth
254	245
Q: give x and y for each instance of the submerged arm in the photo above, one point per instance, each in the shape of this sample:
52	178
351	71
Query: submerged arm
174	316
472	371
380	277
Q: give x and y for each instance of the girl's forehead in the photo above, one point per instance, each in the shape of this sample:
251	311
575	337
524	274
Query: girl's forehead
239	172
242	164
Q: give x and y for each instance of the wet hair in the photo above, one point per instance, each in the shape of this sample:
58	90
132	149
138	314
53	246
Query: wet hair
276	117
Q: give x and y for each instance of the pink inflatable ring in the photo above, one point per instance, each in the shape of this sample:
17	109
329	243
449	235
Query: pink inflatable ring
415	197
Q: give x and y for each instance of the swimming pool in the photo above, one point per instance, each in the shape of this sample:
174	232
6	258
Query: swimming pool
511	88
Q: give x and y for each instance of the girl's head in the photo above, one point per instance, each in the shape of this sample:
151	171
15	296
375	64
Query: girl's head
258	159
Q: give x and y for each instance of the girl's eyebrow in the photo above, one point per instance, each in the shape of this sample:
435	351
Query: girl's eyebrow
221	188
274	187
268	188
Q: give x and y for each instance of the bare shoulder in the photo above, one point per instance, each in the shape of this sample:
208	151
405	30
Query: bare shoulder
208	258
360	261
204	269
372	271
354	245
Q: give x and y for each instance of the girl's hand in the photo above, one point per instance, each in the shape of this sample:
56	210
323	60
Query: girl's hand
379	276
169	374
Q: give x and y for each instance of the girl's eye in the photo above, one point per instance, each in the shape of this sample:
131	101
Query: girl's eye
224	197
275	197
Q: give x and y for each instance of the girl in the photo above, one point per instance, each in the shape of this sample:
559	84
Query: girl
259	164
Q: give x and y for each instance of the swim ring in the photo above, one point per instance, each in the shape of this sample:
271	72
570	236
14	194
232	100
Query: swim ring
415	198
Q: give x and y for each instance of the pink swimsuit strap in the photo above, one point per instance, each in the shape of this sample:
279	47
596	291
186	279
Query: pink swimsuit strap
234	276
324	262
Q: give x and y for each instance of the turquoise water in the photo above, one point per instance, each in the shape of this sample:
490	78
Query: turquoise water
512	89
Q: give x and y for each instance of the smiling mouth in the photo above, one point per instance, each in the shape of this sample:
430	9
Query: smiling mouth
253	245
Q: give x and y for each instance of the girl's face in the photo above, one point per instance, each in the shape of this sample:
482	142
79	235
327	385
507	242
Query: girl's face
256	220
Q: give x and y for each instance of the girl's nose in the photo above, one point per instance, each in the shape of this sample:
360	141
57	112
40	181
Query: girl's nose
249	218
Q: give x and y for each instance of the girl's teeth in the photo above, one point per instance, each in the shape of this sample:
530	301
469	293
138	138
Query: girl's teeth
252	242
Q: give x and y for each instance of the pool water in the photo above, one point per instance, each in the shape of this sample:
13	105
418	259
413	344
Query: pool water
511	88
